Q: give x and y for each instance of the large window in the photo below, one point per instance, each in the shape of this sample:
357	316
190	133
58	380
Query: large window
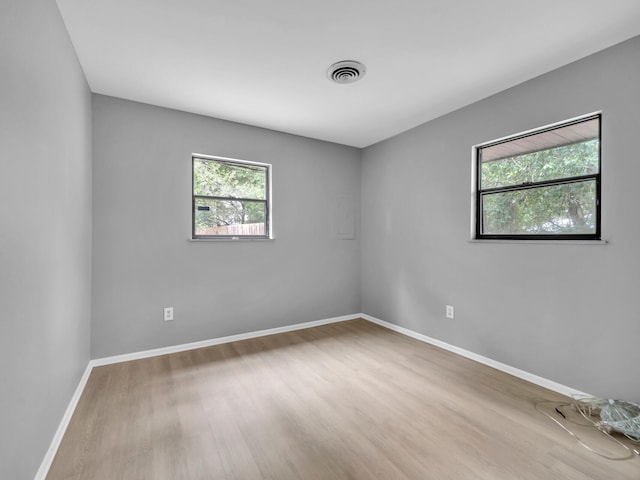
231	198
542	184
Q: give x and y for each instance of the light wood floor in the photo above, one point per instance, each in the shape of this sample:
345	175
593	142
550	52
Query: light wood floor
350	400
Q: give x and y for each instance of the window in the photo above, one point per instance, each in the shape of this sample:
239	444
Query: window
231	198
540	185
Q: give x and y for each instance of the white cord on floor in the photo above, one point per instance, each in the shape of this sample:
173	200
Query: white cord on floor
630	452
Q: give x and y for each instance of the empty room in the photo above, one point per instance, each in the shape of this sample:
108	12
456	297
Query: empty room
319	240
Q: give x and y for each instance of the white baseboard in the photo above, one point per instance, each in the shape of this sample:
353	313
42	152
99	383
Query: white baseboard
217	341
62	427
516	372
64	423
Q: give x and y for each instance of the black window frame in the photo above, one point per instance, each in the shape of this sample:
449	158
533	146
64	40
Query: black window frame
267	201
480	193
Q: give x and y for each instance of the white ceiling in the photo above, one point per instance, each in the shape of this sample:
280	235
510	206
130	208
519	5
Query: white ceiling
264	63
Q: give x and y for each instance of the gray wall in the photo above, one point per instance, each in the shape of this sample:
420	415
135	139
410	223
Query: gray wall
45	230
142	260
566	312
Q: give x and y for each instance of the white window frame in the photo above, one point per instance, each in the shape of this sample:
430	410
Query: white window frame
268	201
477	192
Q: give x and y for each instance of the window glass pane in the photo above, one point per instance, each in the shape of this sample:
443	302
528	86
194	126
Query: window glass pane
219	179
574	132
229	217
560	162
558	209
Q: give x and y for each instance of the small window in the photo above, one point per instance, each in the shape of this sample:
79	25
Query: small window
541	185
231	198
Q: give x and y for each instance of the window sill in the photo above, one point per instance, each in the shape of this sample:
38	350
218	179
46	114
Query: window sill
540	242
231	240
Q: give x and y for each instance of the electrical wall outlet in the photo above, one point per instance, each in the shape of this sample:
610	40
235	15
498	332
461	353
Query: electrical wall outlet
449	311
168	314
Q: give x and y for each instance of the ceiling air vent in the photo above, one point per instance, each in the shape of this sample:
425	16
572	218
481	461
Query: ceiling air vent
346	71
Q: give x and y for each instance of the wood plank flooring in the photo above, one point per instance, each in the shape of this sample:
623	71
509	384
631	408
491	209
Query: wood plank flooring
350	400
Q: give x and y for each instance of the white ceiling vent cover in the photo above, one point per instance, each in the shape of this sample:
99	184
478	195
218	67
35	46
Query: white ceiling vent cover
346	71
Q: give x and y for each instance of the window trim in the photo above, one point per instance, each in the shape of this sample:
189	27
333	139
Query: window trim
268	200
478	192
